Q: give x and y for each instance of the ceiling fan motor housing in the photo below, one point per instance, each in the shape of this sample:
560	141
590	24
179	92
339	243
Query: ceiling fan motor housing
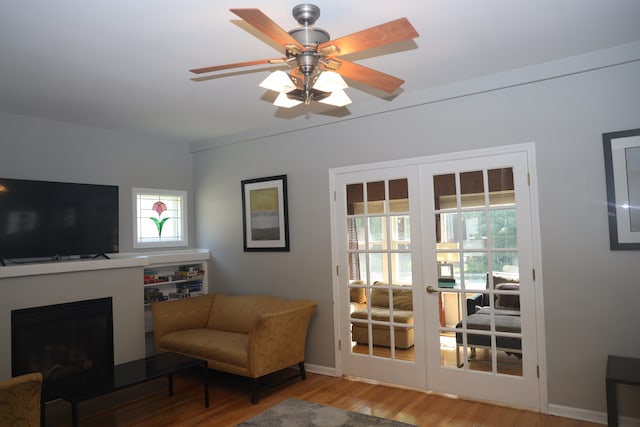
310	37
306	15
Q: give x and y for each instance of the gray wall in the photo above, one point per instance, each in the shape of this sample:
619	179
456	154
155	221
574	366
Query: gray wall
590	292
47	150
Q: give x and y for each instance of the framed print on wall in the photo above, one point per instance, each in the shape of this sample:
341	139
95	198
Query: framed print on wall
622	170
265	215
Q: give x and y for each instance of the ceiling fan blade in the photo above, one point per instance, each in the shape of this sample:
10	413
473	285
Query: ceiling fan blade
369	76
237	65
262	22
380	35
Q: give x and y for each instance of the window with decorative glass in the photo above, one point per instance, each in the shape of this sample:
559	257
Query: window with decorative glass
159	218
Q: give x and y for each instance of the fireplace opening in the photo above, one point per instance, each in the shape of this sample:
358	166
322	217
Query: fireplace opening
70	341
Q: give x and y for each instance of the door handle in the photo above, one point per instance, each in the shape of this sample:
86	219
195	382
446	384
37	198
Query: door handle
431	290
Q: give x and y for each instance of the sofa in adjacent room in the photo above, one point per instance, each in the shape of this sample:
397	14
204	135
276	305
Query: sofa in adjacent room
506	316
250	336
380	311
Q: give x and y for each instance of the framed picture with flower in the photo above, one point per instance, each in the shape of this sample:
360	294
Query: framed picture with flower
265	214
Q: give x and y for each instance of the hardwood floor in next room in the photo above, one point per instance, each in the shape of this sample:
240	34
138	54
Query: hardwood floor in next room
149	405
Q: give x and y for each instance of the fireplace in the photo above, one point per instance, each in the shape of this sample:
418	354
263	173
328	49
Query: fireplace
63	341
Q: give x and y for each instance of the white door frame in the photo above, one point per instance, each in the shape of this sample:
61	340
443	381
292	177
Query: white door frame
529	149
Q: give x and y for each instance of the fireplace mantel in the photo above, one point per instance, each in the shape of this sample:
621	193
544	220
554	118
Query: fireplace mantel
121	260
120	277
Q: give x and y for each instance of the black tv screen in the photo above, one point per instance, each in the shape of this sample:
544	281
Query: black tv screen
41	219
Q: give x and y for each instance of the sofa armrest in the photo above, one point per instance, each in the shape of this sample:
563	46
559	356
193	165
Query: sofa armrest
473	303
278	339
187	313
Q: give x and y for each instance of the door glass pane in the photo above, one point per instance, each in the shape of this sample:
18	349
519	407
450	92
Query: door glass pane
378	233
400	232
444	188
375	197
447	228
501	188
474	227
355	199
402	270
363	267
506	262
472	189
398	195
357	230
378	267
503	226
476	265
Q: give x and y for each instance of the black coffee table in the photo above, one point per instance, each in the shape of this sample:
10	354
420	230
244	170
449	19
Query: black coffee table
76	390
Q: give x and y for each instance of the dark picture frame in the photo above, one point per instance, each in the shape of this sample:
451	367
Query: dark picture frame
265	214
622	171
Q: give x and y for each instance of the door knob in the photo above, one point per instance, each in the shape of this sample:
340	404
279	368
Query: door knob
432	290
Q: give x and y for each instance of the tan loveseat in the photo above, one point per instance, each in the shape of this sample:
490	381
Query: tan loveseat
379	303
251	335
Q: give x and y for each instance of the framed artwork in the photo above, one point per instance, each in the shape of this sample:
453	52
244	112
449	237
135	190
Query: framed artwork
622	170
445	270
265	214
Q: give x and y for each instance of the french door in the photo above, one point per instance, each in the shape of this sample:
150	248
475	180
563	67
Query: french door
377	225
434	282
478	260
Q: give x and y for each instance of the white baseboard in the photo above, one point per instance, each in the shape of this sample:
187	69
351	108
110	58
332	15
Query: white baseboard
319	369
591	416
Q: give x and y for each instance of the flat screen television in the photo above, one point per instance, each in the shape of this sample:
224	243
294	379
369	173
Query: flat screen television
42	219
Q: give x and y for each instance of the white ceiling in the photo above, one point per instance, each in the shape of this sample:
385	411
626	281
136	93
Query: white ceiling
123	64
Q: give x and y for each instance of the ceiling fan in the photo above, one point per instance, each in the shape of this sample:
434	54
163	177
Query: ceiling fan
317	61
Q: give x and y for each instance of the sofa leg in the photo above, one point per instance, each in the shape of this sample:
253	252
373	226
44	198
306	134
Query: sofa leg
303	372
254	391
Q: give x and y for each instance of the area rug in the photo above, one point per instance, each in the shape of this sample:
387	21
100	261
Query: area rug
299	413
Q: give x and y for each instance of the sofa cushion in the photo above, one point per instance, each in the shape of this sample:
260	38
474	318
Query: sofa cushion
235	313
501	277
239	313
402	298
358	295
222	346
382	314
380	297
510	301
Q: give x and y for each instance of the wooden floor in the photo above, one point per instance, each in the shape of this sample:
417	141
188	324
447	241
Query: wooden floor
149	405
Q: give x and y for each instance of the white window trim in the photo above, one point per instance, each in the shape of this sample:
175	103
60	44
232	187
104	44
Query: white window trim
165	244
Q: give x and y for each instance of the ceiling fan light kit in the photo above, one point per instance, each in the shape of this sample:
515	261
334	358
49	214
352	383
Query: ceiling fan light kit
285	102
319	66
278	81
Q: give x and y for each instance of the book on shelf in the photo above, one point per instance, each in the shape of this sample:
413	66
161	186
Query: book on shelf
154	296
181	275
179	295
189	287
190	268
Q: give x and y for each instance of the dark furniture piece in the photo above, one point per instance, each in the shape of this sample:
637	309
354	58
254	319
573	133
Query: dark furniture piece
620	370
478	318
75	390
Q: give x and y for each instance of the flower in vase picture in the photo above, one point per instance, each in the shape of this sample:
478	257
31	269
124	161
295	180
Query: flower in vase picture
159	207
